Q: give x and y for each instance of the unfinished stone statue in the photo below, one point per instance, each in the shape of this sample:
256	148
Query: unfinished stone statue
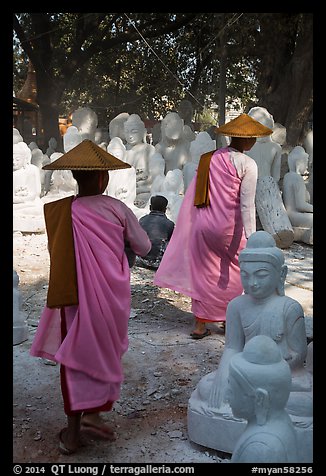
85	119
116	128
27	205
186	112
308	145
269	205
258	388
117	148
173	146
173	190
202	143
38	159
52	146
262	309
122	185
17	136
138	155
62	183
157	167
20	328
296	196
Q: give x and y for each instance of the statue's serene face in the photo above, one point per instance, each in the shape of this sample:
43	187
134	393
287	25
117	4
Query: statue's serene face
240	400
18	161
172	126
259	278
134	134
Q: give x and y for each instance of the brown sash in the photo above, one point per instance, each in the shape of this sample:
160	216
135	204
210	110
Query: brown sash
202	183
62	289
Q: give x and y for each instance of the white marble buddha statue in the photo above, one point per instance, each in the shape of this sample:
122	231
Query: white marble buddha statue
296	196
173	146
173	190
116	126
62	183
265	152
39	159
138	154
52	146
269	204
258	388
202	143
85	119
122	185
156	171
71	138
117	148
17	137
186	112
27	205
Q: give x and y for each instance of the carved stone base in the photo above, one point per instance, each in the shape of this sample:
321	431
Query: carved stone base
305	235
221	434
20	333
28	224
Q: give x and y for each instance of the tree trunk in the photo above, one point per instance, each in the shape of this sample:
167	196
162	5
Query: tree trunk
222	83
286	80
48	98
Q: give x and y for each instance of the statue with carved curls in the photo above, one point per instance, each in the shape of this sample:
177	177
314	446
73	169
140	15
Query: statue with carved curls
258	388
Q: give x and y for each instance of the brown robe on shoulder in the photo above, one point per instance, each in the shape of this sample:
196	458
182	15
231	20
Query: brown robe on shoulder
202	183
62	289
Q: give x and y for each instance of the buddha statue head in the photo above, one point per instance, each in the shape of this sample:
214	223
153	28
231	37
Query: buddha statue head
262	267
259	380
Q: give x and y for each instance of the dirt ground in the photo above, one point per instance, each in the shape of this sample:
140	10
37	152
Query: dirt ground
162	367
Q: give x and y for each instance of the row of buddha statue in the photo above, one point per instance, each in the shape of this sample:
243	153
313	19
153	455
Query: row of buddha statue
167	167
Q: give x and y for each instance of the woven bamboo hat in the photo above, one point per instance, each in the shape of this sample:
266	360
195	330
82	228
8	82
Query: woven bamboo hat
87	156
244	126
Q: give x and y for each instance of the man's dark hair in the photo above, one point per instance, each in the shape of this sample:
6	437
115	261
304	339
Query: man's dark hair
159	203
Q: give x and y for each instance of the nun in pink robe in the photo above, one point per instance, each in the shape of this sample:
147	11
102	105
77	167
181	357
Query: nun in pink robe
84	325
97	329
201	260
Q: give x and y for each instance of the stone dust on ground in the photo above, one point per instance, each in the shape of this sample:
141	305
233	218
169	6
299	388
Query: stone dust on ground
161	368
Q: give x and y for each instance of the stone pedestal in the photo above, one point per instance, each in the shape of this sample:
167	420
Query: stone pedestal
304	235
20	328
28	223
221	433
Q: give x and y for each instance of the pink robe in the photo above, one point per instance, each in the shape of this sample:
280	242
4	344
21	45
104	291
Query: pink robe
97	329
201	259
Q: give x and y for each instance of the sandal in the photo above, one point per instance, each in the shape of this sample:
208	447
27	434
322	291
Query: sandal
62	447
100	430
195	335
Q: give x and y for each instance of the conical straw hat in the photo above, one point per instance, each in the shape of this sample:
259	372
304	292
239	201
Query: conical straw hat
87	156
244	126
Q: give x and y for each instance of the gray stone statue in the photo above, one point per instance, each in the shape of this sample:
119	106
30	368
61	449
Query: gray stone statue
262	309
258	389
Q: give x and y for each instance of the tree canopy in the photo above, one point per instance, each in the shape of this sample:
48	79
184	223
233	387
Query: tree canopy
146	63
